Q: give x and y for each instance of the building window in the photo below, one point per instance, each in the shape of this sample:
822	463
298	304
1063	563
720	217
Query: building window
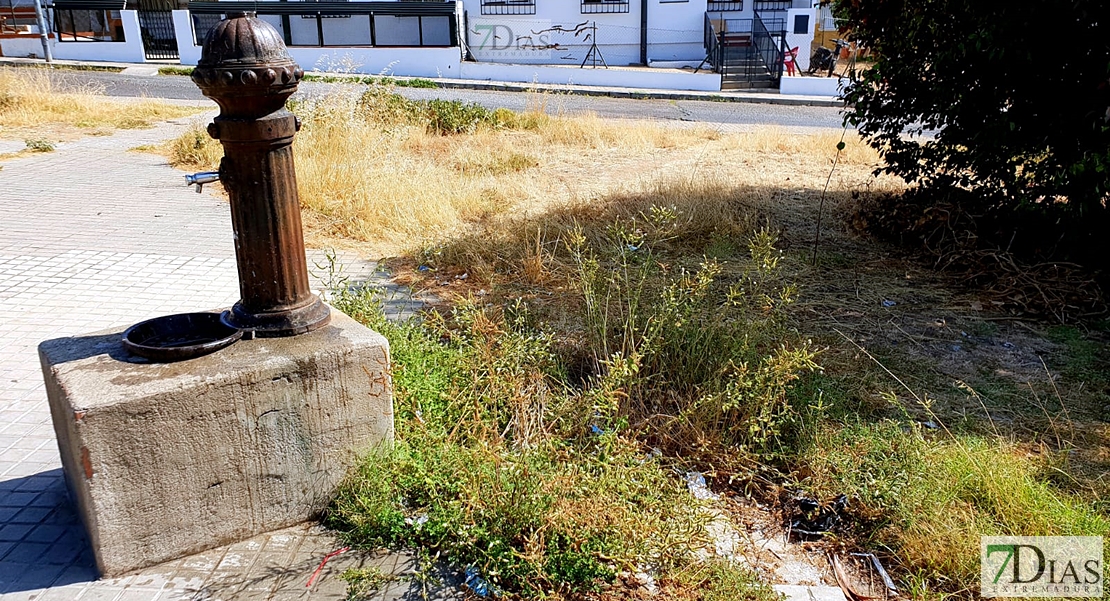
801	24
354	30
725	5
202	24
771	5
604	6
508	7
88	25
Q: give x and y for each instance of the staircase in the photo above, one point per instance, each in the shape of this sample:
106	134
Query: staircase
744	52
742	68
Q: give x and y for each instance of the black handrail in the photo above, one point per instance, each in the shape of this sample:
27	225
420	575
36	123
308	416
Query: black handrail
769	51
712	47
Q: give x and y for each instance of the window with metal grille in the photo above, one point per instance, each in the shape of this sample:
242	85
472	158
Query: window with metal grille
508	7
84	25
769	5
604	6
349	30
726	5
202	24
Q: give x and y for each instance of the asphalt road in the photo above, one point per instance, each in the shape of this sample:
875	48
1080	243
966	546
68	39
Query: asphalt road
729	115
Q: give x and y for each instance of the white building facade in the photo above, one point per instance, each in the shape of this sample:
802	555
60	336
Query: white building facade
620	43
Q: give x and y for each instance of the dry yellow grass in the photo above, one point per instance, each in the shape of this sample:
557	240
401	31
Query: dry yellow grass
394	187
29	99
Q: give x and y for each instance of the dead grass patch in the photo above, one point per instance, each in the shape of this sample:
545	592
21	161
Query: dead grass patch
29	98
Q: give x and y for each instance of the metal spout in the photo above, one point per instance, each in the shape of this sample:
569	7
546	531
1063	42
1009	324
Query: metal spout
199	179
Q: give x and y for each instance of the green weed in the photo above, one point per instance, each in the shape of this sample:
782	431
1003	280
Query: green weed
362	583
381	105
39	145
927	499
411	82
175	70
506	463
724	581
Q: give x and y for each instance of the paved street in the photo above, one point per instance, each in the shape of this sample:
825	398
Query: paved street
733	115
93	237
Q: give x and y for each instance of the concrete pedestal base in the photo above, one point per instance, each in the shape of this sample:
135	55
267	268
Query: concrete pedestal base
165	460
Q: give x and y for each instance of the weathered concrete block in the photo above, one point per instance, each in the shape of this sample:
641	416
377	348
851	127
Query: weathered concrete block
165	460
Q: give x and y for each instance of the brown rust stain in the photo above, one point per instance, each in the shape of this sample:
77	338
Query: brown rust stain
87	463
78	416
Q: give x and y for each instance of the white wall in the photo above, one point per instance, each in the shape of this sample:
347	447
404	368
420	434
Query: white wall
626	78
183	29
676	30
128	51
802	41
674	33
24	46
409	62
811	86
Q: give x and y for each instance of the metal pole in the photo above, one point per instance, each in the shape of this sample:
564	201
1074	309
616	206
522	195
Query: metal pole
40	18
245	67
643	32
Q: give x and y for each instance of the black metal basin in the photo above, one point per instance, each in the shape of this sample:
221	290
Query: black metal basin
179	337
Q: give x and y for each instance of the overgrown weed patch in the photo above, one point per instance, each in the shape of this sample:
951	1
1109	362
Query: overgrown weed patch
626	303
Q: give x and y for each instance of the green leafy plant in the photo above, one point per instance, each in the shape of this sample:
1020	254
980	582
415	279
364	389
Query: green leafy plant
965	70
175	70
362	583
505	464
39	145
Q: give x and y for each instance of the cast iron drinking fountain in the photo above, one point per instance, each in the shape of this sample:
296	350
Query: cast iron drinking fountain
246	69
164	460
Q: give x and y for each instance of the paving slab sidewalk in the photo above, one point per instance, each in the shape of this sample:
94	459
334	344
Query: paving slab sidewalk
94	236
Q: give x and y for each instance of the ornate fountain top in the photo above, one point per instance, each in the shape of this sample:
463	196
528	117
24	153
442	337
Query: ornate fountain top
246	68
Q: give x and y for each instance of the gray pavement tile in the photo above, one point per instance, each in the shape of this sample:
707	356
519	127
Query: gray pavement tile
59	593
29	515
24	552
76	575
46	533
38	484
102	593
15	532
65	554
49	499
139	594
39	576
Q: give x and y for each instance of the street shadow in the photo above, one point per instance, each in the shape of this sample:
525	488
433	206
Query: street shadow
43	542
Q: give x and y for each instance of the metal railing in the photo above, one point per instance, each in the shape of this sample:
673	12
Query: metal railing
508	7
771	5
745	49
712	48
768	47
725	5
604	6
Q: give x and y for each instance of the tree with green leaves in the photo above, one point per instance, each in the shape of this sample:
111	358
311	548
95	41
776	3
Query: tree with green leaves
1016	95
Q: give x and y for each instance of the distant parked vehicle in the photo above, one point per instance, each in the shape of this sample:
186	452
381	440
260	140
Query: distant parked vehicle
824	59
